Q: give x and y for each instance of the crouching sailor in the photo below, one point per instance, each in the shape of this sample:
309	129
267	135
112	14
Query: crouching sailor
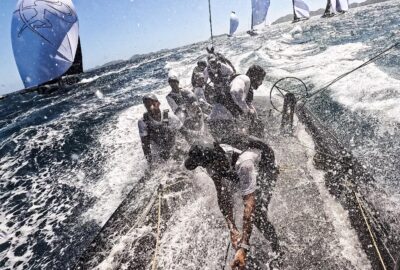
234	105
253	171
185	105
158	130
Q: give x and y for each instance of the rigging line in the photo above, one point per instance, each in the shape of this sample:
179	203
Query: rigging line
226	255
365	214
361	208
155	258
372	221
210	18
370	231
349	185
396	45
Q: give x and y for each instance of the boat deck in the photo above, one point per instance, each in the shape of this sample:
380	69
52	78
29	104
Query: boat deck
312	226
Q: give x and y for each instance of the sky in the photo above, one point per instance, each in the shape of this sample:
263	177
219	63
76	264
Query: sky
118	29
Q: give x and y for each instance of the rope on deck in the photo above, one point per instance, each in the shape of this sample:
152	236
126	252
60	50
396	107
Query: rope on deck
368	225
155	258
226	255
362	209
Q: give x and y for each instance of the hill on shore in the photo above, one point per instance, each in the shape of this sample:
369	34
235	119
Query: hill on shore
289	17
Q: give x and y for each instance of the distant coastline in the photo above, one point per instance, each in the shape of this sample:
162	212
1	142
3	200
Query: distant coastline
289	17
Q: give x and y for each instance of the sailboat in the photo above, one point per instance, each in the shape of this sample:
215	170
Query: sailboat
301	11
342	6
335	6
234	23
259	11
45	41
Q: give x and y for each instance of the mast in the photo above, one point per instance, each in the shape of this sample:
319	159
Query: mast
211	31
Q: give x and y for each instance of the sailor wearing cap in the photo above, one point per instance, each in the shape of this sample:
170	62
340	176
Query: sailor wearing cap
185	105
158	130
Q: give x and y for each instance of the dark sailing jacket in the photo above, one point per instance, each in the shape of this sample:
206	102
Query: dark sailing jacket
182	99
160	133
228	159
224	97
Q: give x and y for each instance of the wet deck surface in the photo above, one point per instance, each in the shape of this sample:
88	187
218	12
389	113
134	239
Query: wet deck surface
312	227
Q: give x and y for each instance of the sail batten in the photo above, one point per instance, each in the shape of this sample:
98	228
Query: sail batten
259	11
45	36
234	23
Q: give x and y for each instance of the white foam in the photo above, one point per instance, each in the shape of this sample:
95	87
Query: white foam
350	246
124	166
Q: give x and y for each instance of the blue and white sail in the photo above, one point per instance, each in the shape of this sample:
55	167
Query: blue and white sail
234	23
342	5
259	11
45	38
301	10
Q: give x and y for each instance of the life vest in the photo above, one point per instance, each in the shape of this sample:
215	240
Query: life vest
160	133
183	98
217	78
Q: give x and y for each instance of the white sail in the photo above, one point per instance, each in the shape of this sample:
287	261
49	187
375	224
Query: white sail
45	36
234	23
342	5
301	9
259	11
333	6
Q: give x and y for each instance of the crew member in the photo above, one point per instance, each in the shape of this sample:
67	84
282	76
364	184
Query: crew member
199	91
218	73
199	69
233	106
252	170
221	58
184	104
158	130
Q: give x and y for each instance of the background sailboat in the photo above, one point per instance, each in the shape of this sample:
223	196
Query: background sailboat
45	40
342	6
259	11
336	6
301	11
234	23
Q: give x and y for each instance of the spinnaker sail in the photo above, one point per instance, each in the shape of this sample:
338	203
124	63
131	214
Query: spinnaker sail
45	40
301	10
259	11
234	23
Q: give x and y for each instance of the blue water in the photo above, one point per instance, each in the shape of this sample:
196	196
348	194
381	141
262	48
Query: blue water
67	159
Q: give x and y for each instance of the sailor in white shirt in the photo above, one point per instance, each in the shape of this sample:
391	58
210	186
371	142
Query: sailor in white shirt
184	104
234	103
